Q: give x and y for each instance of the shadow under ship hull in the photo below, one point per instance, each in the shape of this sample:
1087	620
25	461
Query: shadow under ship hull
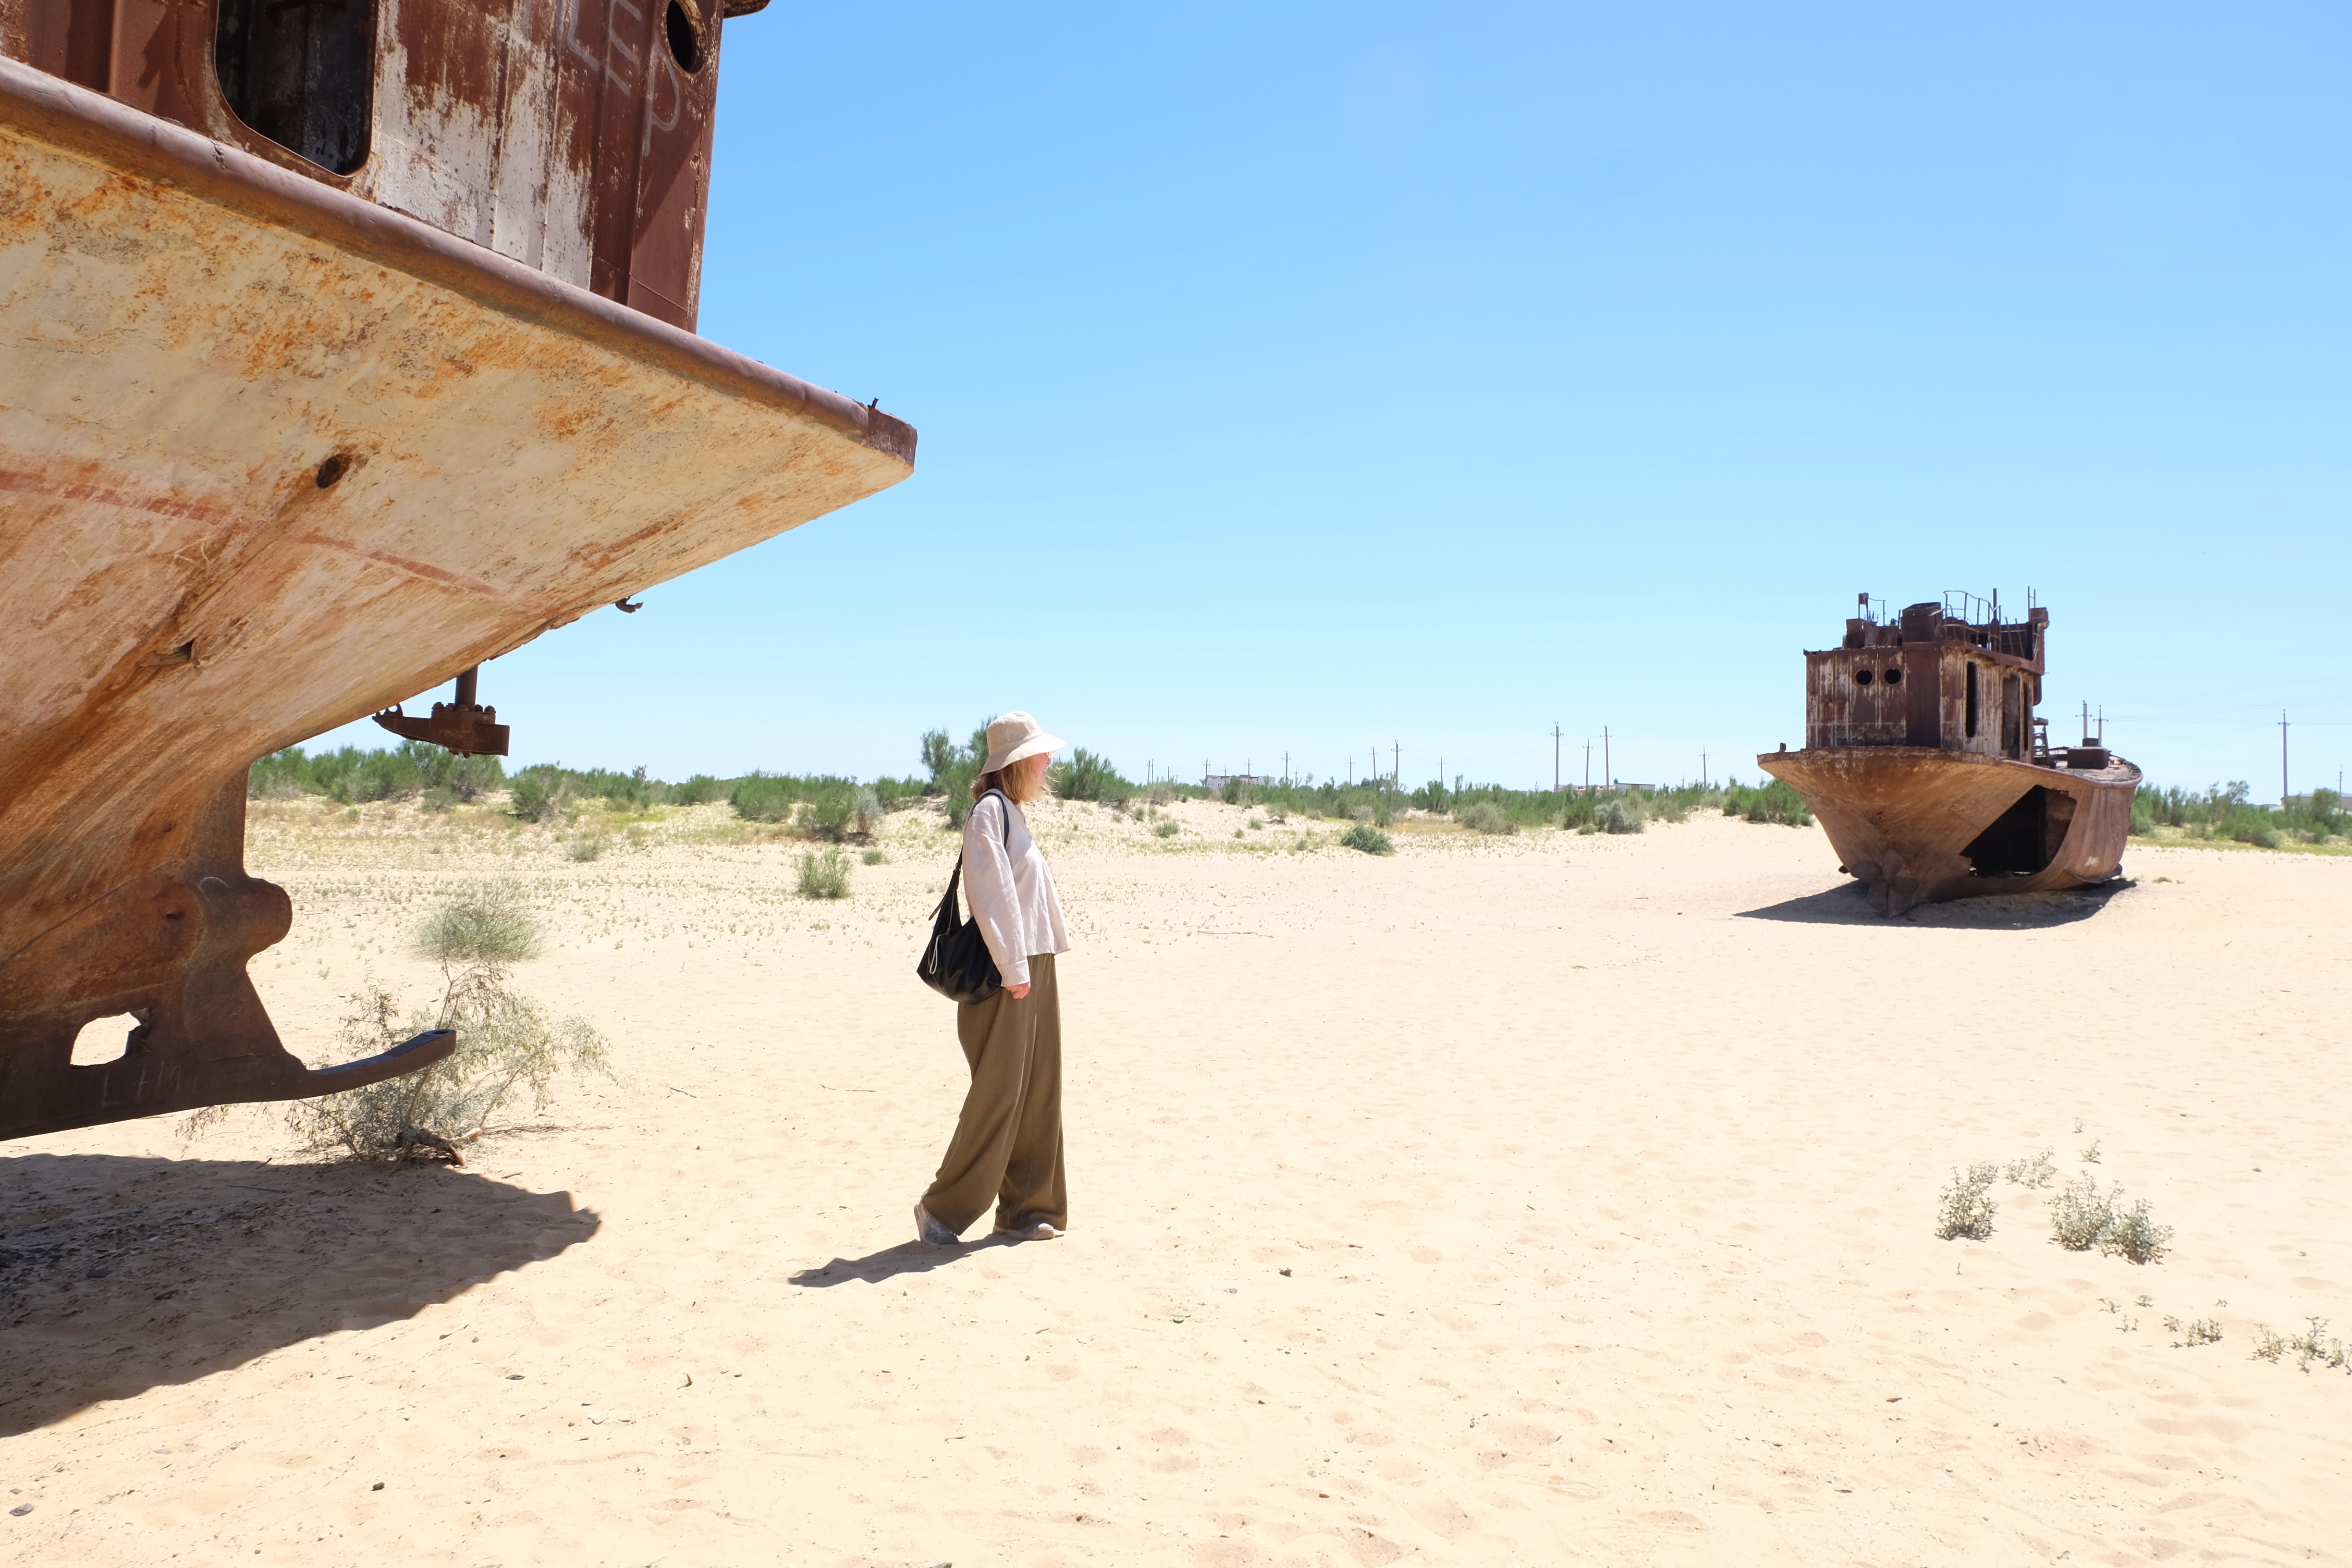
1917	825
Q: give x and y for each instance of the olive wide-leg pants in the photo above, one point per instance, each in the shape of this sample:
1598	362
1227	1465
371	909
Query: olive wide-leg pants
1008	1142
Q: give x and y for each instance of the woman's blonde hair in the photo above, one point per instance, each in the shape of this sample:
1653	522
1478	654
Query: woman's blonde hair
1019	781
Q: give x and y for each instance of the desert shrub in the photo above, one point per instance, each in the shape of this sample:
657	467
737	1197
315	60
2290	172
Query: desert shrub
1360	812
585	846
1085	776
2080	1213
1485	816
2132	1234
440	797
531	801
873	858
506	1044
2260	835
486	928
1160	794
2197	1331
1667	808
825	876
1278	814
2312	1347
1966	1207
1776	802
2033	1170
763	798
864	811
1619	816
1167	830
2269	1344
1367	839
699	789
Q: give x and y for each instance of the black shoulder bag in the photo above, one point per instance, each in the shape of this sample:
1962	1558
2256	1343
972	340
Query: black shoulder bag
956	961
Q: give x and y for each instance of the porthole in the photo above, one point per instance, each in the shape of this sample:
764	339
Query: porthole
1894	678
684	37
1861	678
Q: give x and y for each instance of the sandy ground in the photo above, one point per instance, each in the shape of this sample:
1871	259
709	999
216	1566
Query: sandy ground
1516	1201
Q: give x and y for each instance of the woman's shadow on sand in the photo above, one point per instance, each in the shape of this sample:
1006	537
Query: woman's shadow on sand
119	1275
1848	904
906	1258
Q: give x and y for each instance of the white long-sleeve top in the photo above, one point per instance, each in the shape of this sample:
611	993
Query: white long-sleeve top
1010	888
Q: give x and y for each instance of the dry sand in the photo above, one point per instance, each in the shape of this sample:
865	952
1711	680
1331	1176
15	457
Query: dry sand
1516	1201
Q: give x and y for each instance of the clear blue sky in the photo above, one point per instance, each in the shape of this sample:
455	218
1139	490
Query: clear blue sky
1302	378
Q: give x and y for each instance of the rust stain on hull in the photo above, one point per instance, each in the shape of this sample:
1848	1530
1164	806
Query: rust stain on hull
273	458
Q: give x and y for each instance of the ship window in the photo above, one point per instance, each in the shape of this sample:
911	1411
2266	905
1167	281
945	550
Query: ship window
1972	700
301	74
684	37
1894	678
1861	678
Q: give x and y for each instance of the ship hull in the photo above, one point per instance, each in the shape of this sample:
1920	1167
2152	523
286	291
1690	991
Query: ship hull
1917	825
272	459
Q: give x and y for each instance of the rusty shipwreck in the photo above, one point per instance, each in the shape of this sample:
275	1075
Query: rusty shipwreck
344	345
1929	771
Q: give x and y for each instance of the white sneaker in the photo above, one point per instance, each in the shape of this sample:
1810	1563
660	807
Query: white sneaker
1038	1230
931	1230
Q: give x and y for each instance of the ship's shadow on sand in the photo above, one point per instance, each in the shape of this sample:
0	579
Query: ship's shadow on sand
1848	904
118	1275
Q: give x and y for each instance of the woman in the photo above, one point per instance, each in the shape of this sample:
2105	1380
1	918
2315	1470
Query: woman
1008	1142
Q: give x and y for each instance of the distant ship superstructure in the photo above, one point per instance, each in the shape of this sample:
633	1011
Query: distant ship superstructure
1931	773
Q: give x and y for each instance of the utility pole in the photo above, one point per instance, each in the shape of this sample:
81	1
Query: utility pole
1285	769
1588	767
2283	795
1555	756
1607	774
1396	766
1701	770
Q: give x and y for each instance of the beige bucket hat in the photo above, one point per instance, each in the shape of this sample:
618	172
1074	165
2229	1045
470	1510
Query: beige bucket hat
1016	736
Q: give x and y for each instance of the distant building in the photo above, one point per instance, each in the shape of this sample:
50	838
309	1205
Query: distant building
1219	781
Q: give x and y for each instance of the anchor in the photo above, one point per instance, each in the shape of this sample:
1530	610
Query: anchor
464	726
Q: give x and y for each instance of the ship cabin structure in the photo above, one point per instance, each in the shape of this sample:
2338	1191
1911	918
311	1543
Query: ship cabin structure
1931	773
572	136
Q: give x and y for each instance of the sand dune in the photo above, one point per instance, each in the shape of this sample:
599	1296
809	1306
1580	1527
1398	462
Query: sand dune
1509	1200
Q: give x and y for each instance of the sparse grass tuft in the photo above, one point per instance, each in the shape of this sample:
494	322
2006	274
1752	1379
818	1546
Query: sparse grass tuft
2312	1348
2034	1170
2133	1235
1367	839
2269	1346
873	858
2080	1213
2194	1332
825	876
1966	1207
489	926
585	846
1167	830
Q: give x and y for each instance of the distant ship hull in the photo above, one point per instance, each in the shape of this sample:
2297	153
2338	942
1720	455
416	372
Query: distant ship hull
273	457
1918	825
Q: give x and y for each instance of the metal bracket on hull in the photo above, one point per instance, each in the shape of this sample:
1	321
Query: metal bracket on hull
170	948
464	726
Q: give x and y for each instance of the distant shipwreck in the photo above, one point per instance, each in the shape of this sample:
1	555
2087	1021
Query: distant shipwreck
1929	770
344	344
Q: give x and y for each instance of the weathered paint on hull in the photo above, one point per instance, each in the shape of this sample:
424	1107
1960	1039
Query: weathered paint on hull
187	334
1899	817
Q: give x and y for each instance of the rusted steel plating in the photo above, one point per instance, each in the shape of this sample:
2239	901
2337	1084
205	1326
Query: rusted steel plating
275	454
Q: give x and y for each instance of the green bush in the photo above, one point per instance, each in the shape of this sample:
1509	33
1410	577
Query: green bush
1619	814
1367	839
825	876
1776	802
1085	776
1167	830
1485	816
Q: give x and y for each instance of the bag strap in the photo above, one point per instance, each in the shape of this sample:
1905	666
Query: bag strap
956	875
